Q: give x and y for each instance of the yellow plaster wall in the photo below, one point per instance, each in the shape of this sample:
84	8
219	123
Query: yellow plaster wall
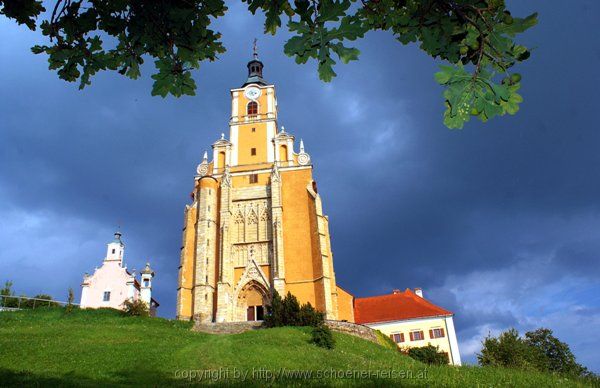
303	269
244	180
297	236
248	140
421	324
345	305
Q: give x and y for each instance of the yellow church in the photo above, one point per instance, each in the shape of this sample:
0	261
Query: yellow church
256	222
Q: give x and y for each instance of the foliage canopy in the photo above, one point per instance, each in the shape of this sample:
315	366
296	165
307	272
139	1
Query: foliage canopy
429	354
539	350
476	37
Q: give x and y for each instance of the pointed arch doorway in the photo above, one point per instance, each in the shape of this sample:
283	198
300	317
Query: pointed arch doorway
252	302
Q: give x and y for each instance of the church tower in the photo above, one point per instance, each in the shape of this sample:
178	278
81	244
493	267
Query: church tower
255	223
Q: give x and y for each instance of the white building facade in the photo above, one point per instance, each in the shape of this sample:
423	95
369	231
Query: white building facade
410	321
112	284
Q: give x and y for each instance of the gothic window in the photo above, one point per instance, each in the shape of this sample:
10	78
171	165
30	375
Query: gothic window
252	229
252	109
264	225
239	226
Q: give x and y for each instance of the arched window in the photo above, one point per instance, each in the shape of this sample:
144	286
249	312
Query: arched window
283	154
252	108
221	160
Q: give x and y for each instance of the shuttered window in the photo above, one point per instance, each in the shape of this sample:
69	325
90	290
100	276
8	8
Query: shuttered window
397	337
416	335
437	333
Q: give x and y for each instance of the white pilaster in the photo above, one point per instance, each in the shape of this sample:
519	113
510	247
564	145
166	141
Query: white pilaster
455	354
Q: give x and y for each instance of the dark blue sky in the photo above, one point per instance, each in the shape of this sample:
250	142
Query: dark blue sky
498	222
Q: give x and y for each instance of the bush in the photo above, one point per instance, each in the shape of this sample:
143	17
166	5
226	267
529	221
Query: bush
291	310
322	337
31	303
309	316
6	292
428	355
70	299
273	317
509	351
539	350
287	312
385	341
136	308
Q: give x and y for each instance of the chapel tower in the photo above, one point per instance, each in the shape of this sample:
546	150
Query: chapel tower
255	223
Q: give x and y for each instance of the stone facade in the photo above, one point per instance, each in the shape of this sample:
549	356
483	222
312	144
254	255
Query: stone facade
256	223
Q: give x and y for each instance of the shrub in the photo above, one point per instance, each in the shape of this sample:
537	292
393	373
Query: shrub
385	341
309	316
70	298
6	292
322	337
291	310
287	312
274	317
32	303
136	308
539	350
429	355
509	351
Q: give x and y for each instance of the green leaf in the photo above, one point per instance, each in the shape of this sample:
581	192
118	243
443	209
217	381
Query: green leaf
346	54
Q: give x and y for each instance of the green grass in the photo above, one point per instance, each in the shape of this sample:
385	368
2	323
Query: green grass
88	348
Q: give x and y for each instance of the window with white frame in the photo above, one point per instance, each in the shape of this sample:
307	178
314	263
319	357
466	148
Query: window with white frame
437	332
106	296
417	335
397	337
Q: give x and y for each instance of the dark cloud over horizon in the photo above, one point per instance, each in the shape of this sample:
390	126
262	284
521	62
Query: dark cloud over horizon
499	222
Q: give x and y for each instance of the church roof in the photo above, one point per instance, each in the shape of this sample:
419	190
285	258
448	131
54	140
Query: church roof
397	306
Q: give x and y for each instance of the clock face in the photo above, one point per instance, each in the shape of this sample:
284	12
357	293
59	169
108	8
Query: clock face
252	93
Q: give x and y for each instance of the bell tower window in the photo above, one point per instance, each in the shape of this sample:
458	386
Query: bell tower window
252	108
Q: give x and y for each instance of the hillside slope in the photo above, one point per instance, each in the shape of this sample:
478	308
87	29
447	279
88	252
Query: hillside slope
84	348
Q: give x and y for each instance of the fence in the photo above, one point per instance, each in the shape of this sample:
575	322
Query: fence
13	303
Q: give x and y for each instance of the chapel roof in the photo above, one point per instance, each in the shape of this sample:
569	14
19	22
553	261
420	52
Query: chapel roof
397	306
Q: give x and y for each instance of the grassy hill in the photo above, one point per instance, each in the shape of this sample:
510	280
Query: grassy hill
49	347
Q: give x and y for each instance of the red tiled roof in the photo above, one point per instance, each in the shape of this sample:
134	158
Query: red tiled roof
397	306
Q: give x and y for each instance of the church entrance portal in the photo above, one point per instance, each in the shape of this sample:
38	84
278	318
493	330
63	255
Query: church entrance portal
252	302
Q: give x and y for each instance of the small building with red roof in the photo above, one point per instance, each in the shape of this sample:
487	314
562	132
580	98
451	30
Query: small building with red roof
410	320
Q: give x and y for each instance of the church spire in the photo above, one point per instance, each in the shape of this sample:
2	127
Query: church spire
255	69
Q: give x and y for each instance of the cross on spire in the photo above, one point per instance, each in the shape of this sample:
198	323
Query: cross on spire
255	49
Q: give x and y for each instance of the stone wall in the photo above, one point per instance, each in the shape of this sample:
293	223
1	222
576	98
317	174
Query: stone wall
226	327
354	329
